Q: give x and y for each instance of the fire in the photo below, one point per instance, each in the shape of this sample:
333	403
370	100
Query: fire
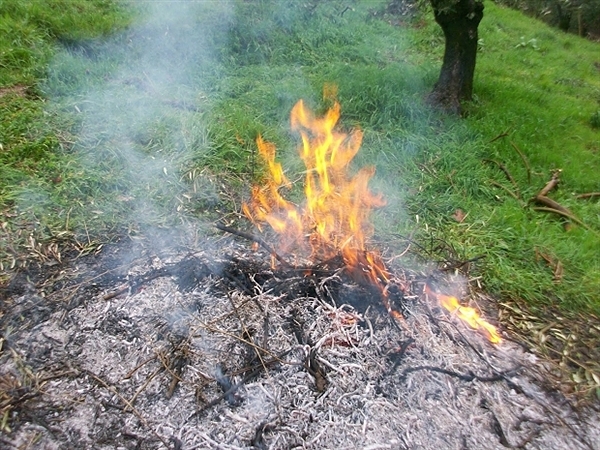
466	314
334	217
333	220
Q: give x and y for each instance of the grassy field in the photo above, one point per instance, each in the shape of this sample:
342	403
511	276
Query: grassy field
117	120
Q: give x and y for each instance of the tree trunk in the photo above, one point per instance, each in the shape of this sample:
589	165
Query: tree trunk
459	20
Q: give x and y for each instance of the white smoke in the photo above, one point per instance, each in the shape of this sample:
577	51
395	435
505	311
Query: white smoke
140	100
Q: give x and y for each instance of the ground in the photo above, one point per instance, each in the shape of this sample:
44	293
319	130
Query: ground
206	346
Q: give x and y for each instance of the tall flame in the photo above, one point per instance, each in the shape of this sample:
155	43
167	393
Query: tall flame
334	218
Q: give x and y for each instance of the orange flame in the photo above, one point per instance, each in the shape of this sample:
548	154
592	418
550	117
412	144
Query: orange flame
467	314
334	217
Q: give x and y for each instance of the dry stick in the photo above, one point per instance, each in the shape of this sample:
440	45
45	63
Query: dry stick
144	386
116	293
503	168
246	333
175	377
565	213
126	402
206	326
495	183
465	377
138	367
525	161
552	206
256	239
550	184
588	195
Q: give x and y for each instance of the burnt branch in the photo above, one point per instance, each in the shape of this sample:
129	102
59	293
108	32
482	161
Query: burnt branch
256	239
461	376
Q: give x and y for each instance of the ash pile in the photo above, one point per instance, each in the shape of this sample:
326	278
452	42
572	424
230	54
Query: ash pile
202	349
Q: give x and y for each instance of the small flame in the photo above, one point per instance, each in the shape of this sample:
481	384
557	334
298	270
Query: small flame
467	314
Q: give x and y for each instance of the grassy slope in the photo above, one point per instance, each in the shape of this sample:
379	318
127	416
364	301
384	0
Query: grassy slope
535	83
36	161
543	92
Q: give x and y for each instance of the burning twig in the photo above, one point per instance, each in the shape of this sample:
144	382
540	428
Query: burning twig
467	314
256	239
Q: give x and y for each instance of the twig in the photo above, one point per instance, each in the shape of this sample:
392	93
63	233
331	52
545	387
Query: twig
464	377
549	205
139	366
495	183
500	136
247	333
116	293
397	356
144	386
256	239
566	214
128	404
525	161
550	184
213	329
236	386
503	168
588	195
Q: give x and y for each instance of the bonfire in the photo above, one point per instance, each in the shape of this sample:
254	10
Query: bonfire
333	221
313	341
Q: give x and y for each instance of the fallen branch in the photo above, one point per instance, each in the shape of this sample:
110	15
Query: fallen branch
552	206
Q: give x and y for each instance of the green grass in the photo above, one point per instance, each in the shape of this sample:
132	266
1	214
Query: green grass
534	83
74	143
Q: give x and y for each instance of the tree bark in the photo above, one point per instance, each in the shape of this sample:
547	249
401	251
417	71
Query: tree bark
459	20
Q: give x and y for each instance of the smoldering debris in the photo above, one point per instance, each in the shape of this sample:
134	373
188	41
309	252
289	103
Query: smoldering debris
209	350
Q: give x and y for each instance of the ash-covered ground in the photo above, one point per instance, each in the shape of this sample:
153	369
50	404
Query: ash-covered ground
202	349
